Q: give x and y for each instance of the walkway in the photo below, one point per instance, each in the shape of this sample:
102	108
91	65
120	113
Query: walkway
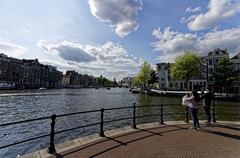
159	141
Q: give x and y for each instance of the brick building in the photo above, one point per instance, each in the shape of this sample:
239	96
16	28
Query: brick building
28	73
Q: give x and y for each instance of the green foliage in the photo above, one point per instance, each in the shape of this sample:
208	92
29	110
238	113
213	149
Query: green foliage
102	81
143	75
185	66
153	77
224	73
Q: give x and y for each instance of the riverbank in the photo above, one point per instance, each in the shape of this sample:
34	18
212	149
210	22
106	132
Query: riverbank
218	96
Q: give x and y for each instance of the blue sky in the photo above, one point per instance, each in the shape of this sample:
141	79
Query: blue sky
114	37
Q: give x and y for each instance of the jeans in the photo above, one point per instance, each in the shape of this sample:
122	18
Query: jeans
208	114
194	117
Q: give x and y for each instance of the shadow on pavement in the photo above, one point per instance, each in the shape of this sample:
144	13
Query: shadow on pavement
229	127
221	133
120	143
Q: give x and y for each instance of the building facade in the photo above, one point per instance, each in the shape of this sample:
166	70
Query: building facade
11	70
28	73
205	77
166	82
163	73
236	84
211	60
74	80
127	82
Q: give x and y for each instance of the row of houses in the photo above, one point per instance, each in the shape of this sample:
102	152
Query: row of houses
127	82
28	73
74	80
22	73
205	78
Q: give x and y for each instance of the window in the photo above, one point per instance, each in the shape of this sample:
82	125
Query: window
210	70
210	62
211	78
204	84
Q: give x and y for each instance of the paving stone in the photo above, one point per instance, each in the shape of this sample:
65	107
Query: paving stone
172	140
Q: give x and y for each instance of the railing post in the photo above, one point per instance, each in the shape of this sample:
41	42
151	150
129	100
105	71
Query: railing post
101	134
51	148
161	113
134	116
186	114
213	111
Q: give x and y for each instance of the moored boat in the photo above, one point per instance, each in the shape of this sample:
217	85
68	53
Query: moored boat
6	86
135	90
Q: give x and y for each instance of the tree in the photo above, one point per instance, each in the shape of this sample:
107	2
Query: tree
153	77
185	66
102	81
224	74
143	75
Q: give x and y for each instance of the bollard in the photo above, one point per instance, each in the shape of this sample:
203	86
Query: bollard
161	114
213	111
51	148
101	134
134	116
186	114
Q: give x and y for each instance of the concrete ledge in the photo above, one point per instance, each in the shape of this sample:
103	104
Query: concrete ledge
68	145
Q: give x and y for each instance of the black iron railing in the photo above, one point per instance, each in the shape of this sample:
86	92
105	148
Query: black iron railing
134	117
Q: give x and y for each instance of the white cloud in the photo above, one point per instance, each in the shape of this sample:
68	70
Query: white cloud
68	51
121	15
185	20
192	10
218	11
109	58
10	48
172	43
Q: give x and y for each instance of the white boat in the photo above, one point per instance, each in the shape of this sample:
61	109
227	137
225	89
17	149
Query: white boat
5	85
42	88
135	90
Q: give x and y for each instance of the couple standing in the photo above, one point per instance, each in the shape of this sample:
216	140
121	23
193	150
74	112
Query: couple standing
191	101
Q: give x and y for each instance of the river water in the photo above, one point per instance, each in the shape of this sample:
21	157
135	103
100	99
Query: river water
29	104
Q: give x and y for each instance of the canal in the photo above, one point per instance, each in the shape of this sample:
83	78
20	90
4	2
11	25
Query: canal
29	104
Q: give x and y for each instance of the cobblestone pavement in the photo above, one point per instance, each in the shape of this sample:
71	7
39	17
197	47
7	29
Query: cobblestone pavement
218	141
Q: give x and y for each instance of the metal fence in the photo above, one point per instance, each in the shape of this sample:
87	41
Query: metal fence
102	122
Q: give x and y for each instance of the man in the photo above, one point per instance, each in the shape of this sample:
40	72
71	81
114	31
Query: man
207	101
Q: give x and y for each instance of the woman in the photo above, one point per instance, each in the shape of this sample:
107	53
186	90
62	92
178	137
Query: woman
193	107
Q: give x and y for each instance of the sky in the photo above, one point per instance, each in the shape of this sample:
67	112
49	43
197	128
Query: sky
114	37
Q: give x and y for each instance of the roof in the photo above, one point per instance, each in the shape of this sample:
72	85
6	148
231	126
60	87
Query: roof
217	51
236	56
71	73
29	61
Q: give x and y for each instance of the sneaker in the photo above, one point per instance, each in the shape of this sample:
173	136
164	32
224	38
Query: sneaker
192	127
198	128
